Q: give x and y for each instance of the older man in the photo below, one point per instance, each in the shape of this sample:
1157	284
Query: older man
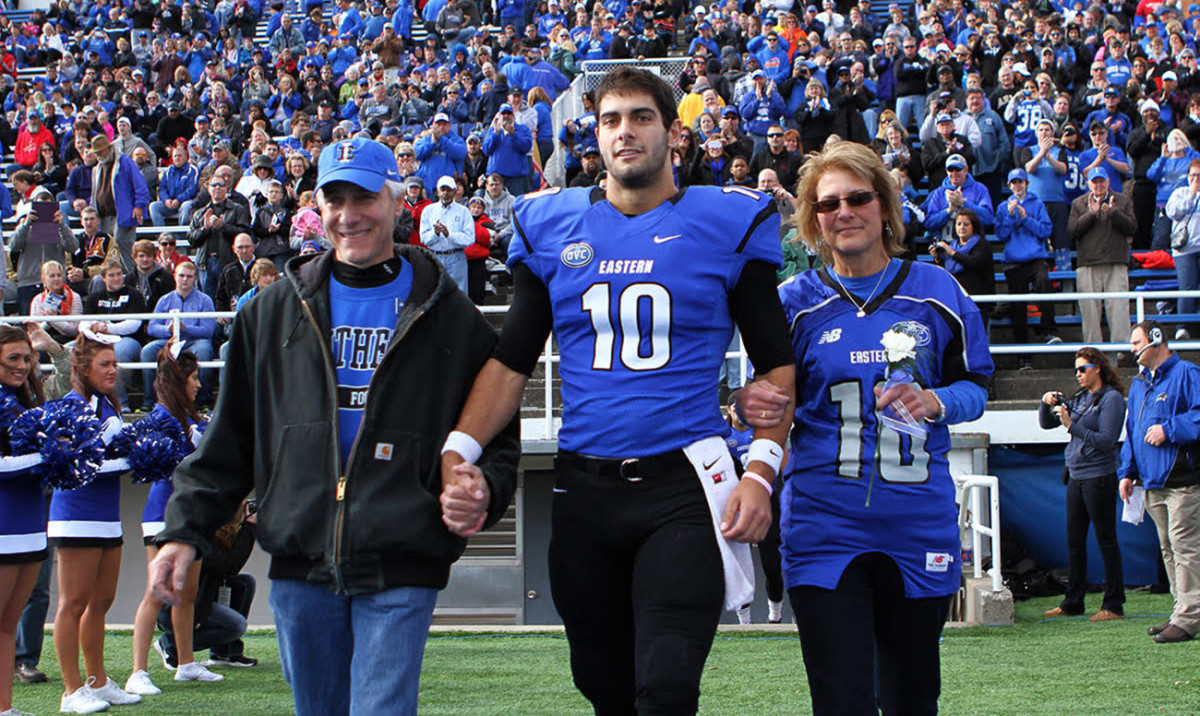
119	195
213	228
334	447
447	228
1162	428
1102	226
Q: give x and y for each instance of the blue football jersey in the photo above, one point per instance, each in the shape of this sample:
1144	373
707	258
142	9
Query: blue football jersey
641	309
841	452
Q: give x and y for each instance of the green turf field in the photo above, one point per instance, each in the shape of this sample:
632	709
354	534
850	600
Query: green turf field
1060	667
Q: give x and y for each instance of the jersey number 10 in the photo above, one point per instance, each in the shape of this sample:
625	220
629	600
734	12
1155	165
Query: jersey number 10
910	464
597	302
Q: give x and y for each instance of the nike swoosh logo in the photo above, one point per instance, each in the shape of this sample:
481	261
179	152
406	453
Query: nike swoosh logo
714	462
665	239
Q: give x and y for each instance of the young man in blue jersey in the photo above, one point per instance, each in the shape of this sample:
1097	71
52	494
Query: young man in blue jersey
340	383
642	285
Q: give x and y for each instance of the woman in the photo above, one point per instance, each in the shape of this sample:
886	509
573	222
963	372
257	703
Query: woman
22	506
815	116
272	227
562	53
540	102
969	258
893	146
1169	172
263	273
1183	208
705	126
85	526
298	178
478	252
1093	417
57	299
870	528
175	384
53	173
256	88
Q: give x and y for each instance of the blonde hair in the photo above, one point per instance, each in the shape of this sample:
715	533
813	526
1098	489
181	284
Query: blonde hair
862	162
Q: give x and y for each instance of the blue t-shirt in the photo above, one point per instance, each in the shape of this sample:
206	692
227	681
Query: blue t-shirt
840	451
362	321
641	308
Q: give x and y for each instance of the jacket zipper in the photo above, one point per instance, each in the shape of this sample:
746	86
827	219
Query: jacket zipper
340	491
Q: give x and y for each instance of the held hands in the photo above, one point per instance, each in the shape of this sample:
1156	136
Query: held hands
762	405
465	496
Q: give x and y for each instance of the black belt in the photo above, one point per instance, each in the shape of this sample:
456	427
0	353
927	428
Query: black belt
447	253
633	469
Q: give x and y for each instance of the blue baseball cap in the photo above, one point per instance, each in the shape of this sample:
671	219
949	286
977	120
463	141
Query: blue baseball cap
506	107
363	162
1097	173
1016	174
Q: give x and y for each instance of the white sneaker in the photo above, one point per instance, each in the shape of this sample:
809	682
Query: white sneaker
774	612
139	683
744	615
81	701
1182	335
196	672
14	712
114	694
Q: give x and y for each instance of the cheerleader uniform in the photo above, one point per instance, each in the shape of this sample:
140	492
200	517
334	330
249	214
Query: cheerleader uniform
22	505
90	516
154	514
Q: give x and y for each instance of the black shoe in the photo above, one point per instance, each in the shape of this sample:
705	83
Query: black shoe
236	660
29	674
170	661
1172	634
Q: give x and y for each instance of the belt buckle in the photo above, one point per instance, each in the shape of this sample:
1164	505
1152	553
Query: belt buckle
629	470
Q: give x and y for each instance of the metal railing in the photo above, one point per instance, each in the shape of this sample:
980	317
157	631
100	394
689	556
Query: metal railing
970	490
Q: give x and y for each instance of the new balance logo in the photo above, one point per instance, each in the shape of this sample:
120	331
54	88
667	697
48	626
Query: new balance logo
831	336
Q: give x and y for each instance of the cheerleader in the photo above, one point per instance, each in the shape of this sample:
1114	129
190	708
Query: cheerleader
176	384
22	507
85	526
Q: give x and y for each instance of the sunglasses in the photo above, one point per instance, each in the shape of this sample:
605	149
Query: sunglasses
855	200
216	185
1083	368
775	134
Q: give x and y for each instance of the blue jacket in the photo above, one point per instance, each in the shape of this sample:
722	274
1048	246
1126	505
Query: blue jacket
402	19
507	153
190	328
79	184
179	184
1024	237
1170	173
129	190
760	114
443	157
1170	398
975	197
776	64
994	145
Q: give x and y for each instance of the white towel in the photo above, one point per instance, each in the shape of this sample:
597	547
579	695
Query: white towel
719	481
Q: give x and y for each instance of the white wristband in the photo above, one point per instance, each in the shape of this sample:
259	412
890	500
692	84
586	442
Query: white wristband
463	444
768	452
760	480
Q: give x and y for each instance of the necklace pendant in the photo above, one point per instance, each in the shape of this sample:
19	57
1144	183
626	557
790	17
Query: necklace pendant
862	313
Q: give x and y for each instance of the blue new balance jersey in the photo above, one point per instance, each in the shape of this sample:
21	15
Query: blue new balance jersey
911	517
641	308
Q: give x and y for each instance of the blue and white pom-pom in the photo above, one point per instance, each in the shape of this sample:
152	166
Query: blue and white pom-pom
10	408
153	445
67	435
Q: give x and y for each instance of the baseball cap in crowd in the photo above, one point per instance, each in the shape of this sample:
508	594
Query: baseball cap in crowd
1021	69
505	108
1096	173
877	42
87	108
441	117
446	182
810	8
310	246
262	161
476	200
1112	92
729	112
202	118
1149	106
704	26
591	149
172	106
474	137
390	132
756	74
1170	75
363	162
947	69
954	161
943	117
714	142
1017	174
121	120
412	180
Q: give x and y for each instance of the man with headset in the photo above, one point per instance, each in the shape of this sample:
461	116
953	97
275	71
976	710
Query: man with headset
1162	453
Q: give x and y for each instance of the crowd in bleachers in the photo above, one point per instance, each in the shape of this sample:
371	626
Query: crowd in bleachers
208	120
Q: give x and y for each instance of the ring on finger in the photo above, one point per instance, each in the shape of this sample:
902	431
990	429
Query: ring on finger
764	414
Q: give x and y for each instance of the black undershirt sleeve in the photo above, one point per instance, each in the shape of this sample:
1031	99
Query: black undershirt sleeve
527	324
755	308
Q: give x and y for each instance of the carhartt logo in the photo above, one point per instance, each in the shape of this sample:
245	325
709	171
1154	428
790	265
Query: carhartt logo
665	239
383	451
830	336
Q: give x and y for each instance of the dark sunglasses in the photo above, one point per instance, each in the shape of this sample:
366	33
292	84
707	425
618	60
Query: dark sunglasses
775	134
1083	368
855	200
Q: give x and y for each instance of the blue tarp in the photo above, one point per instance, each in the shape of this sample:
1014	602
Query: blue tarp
1033	507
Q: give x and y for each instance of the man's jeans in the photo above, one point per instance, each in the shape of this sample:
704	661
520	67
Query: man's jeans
910	110
357	654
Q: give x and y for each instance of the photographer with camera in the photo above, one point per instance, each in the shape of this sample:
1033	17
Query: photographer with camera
1092	417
